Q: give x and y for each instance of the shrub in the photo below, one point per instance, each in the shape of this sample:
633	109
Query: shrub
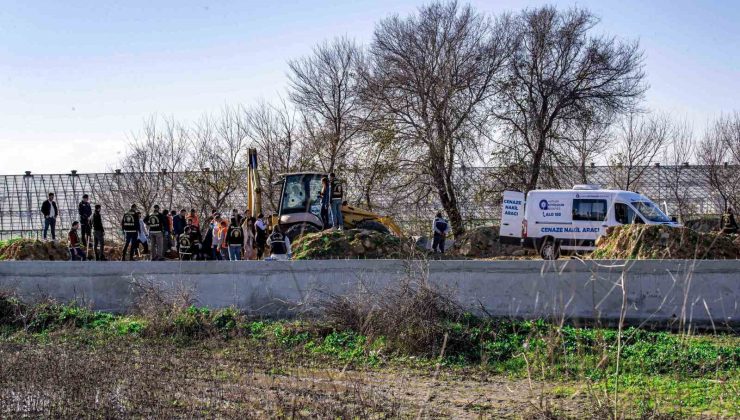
413	316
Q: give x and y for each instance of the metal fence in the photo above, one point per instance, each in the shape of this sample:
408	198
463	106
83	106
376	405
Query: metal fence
478	189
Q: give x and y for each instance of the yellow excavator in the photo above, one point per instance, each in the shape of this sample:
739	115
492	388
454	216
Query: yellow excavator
299	210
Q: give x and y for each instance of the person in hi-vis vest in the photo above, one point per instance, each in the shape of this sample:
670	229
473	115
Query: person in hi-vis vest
279	245
130	227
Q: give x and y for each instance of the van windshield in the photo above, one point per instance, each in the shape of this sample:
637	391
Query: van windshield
650	211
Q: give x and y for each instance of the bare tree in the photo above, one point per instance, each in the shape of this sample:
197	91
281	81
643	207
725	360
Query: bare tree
324	87
275	131
641	139
433	74
583	142
558	72
219	156
718	152
679	153
148	170
370	171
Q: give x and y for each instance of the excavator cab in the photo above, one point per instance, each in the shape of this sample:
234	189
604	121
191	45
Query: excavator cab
300	204
300	208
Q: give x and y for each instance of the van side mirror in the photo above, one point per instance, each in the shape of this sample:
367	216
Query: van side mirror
674	219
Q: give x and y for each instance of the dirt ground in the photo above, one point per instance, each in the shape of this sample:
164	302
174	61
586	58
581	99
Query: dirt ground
132	378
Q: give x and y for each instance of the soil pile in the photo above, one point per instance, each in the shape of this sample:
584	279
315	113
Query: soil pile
483	242
28	249
352	243
663	242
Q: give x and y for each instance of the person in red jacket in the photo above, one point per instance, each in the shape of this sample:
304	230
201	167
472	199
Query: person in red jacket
73	238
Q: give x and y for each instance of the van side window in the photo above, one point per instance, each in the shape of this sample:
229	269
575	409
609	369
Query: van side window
625	215
589	210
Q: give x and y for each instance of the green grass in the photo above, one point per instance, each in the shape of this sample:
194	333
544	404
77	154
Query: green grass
698	373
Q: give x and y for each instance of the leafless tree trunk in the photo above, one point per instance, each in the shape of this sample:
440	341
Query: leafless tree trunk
558	72
434	74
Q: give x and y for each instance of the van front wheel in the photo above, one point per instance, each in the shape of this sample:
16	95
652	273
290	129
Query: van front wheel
549	250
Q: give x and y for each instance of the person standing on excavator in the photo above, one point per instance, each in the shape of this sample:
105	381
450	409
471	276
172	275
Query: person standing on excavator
337	194
325	202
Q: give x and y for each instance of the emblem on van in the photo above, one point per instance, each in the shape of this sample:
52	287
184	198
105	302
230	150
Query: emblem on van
543	204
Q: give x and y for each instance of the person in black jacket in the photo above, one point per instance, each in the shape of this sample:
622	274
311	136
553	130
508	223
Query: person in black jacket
260	236
130	227
235	239
98	234
50	211
156	222
85	211
440	228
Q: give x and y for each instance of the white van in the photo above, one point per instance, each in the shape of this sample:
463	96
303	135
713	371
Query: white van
555	221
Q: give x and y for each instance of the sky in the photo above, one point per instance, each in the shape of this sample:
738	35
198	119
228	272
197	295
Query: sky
78	78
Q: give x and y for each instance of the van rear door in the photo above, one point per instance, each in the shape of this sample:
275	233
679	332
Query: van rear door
512	215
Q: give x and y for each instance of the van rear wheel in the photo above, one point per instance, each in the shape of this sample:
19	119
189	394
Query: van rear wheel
549	250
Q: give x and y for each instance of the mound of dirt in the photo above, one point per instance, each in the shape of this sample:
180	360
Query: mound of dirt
482	242
27	250
353	243
664	242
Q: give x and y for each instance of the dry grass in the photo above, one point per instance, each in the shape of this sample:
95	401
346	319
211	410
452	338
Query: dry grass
410	315
151	379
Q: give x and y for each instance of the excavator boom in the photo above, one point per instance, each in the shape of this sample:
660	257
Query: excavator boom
254	188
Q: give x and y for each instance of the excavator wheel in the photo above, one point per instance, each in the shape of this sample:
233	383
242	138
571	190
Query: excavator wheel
296	231
373	225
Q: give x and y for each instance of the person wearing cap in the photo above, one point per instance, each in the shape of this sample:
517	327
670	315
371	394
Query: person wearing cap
85	211
130	227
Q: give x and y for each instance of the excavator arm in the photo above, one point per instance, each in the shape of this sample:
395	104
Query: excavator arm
254	188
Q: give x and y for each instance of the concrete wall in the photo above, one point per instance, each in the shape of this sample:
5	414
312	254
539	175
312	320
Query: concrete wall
705	293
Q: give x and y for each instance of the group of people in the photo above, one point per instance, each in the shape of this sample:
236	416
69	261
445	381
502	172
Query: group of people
161	231
91	223
222	237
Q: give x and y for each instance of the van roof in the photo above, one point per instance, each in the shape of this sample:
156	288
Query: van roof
624	193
